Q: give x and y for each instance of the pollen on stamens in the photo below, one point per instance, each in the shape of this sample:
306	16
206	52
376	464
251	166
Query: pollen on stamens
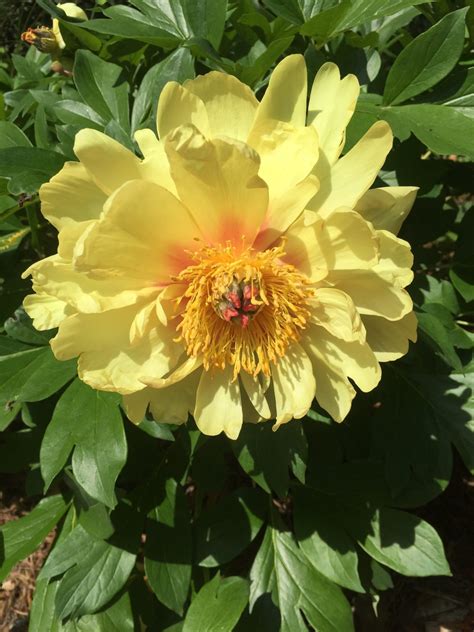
242	308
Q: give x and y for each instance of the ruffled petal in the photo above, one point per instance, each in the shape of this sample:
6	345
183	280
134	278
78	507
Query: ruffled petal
138	236
167	405
230	104
47	312
334	392
387	207
285	210
218	182
178	106
287	154
389	340
331	106
60	280
346	182
335	311
372	293
185	368
155	166
107	361
343	241
396	259
256	394
71	197
355	359
108	162
218	404
294	385
285	97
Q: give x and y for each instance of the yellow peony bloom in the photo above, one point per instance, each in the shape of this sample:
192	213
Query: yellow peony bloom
242	267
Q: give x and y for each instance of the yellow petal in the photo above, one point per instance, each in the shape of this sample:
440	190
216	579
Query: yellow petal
294	385
387	207
107	360
396	259
372	293
335	311
331	106
167	405
334	392
256	394
173	404
155	166
285	97
70	235
346	182
71	196
230	104
389	339
188	366
138	237
352	359
343	241
46	311
285	210
61	280
218	182
178	106
107	161
218	404
136	405
287	154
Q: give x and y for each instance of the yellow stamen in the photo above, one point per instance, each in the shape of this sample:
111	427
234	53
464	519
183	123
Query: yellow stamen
209	327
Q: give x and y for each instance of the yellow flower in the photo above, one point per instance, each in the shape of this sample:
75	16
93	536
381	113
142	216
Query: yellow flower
50	40
242	267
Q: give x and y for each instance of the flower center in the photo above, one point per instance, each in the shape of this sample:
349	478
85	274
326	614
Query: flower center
242	308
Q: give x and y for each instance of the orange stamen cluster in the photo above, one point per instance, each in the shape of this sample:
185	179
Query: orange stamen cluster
242	308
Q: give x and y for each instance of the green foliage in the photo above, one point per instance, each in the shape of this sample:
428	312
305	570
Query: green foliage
157	527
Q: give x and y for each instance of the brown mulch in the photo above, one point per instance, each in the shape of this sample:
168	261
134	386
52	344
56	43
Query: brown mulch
16	591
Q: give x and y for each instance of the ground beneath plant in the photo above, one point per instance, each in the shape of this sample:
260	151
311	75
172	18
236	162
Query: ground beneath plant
435	604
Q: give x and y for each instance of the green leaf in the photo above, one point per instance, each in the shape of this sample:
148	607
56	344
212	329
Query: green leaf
91	421
95	570
22	375
178	66
323	539
438	337
28	168
452	401
266	455
43	613
168	550
442	129
11	241
102	88
12	136
218	605
187	18
19	538
399	540
324	19
20	327
255	68
282	569
126	22
77	113
426	60
227	528
116	617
